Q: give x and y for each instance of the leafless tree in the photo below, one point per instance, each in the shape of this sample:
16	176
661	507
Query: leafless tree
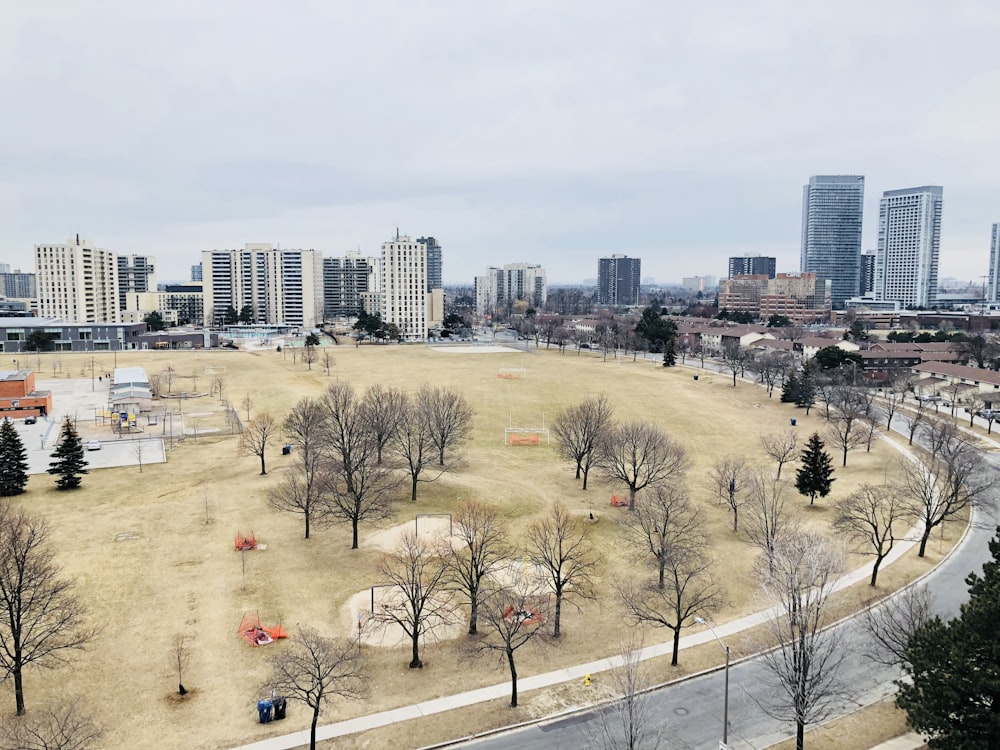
309	355
663	521
892	621
558	545
579	429
893	396
247	403
915	419
312	669
783	447
383	408
766	520
66	727
419	599
40	616
327	362
180	655
219	384
689	592
413	442
946	482
630	722
138	447
734	356
514	612
771	367
255	436
870	515
303	491
479	547
168	377
731	477
447	415
640	454
154	383
847	408
803	670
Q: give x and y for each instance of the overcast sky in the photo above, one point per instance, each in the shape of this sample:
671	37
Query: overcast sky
544	132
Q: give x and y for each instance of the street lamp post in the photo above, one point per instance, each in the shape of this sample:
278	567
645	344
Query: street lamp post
725	699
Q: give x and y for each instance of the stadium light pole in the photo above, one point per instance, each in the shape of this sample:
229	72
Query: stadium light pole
725	700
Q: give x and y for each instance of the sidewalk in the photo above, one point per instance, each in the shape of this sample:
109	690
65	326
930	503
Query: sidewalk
548	679
911	741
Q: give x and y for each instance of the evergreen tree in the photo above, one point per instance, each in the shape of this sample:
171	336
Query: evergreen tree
790	390
670	351
953	668
816	473
69	463
13	461
805	396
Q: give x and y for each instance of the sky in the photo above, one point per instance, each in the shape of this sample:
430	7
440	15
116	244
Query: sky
541	132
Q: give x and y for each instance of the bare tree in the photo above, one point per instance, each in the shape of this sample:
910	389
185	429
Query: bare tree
312	669
247	403
66	727
579	429
689	592
847	408
766	520
559	547
869	515
327	362
640	454
447	415
154	383
137	449
734	356
383	408
893	397
663	520
803	668
731	478
414	443
168	377
309	355
783	447
419	599
479	547
771	367
255	436
40	617
303	491
513	614
180	655
892	621
914	420
951	479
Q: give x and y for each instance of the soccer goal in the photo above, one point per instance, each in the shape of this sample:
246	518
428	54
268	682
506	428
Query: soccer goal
525	435
512	373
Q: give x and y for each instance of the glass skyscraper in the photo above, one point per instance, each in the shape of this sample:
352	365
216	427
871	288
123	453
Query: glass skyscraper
832	207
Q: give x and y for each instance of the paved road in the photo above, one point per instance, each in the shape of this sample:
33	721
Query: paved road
690	712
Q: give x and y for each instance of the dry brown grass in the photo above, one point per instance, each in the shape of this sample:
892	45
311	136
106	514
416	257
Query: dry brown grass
182	575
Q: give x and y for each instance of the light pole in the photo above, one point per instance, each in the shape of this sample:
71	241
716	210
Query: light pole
725	700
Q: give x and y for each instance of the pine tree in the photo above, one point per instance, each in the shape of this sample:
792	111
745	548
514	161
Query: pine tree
954	669
13	461
69	463
790	390
816	473
806	394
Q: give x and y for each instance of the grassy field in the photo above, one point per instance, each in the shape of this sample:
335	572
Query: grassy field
153	555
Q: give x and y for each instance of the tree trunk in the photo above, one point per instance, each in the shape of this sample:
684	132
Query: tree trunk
354	533
586	472
413	488
306	514
663	569
677	645
923	539
631	498
312	727
878	562
845	454
415	662
18	686
441	456
578	469
474	612
555	623
736	518
734	378
513	677
800	735
262	469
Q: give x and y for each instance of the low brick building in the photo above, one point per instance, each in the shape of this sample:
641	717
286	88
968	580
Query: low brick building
18	397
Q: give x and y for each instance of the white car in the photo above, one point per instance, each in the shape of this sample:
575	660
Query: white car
93	445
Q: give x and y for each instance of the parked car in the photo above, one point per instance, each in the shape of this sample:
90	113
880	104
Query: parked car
30	420
93	445
991	414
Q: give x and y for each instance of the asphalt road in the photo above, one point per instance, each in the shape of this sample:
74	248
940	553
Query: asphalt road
689	714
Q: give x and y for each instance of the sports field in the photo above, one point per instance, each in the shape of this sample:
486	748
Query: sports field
153	556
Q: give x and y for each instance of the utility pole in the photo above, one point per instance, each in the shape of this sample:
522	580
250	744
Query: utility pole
724	745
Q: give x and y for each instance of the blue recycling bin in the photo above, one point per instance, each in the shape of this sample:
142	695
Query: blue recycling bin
285	450
264	708
793	421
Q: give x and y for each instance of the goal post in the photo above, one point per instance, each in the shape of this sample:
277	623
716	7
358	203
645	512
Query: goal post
525	435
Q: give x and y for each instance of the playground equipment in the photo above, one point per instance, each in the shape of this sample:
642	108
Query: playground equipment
245	542
523	616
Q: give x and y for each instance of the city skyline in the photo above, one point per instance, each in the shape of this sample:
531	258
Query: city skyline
678	138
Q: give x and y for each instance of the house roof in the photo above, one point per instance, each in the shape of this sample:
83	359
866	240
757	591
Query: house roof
964	372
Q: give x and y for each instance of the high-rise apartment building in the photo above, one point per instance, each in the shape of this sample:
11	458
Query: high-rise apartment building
136	274
348	283
832	208
753	266
196	272
618	280
866	282
77	282
18	285
434	266
407	300
500	288
909	240
993	289
282	287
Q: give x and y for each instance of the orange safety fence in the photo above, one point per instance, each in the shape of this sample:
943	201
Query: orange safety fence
245	541
618	501
524	440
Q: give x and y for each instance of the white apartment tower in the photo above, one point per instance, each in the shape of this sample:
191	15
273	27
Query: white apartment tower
406	301
283	287
349	284
136	275
499	288
77	282
993	290
909	241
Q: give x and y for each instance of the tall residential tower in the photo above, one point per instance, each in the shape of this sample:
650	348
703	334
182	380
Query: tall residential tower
993	290
77	282
832	207
909	240
618	280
